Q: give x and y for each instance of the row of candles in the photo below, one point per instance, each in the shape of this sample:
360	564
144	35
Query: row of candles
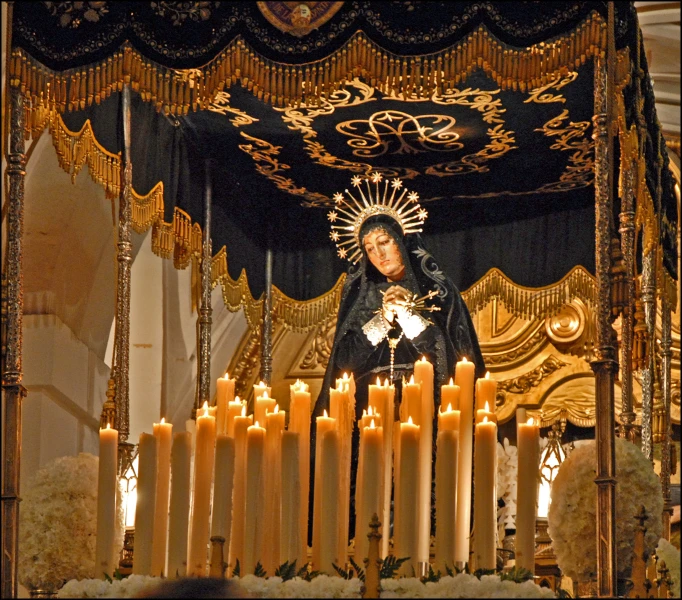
257	471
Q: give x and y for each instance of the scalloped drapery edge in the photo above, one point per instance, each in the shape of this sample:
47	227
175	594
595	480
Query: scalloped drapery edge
177	91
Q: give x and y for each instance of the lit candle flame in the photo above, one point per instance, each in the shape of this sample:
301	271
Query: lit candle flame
108	425
205	407
369	410
386	382
243	410
163	420
451	381
345	376
364	412
464	359
378	380
412	379
276	408
371	424
409	420
449	407
227	375
423	358
487	374
262	383
487	406
256	424
485	420
530	421
326	416
265	394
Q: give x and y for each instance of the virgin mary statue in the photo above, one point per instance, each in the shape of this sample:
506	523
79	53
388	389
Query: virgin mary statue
397	304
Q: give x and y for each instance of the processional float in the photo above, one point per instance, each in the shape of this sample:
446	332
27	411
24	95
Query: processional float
629	157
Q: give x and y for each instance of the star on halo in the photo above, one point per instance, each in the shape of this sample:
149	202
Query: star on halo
356	180
413	196
422	214
334	235
396	184
342	253
332	216
377	177
338	197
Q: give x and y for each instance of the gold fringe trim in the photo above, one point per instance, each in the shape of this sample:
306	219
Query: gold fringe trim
179	91
300	316
527	303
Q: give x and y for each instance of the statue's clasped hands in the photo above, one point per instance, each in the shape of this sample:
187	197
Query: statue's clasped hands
396	301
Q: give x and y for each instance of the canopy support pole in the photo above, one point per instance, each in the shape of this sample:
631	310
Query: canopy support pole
605	365
125	262
266	347
205	312
666	462
649	371
627	231
12	372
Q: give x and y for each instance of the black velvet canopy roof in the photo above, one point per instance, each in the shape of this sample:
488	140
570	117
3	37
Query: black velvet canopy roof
462	101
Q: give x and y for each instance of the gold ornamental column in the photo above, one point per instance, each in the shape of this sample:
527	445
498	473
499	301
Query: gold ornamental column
605	365
627	240
205	311
125	260
12	370
648	373
666	366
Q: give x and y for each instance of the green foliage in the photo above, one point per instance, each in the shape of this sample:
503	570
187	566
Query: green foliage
562	593
286	571
342	573
236	572
480	572
432	576
517	574
108	578
259	571
118	575
450	571
358	569
390	566
306	573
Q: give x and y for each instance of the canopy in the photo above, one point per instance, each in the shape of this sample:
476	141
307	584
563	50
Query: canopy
483	109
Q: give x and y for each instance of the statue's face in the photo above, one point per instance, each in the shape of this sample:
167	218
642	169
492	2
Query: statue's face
384	254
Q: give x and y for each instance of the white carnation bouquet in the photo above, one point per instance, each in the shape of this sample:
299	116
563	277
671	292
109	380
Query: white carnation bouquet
58	523
573	512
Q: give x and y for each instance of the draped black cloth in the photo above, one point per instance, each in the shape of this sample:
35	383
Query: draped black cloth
449	338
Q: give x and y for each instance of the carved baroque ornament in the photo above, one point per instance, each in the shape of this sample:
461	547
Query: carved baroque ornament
298	18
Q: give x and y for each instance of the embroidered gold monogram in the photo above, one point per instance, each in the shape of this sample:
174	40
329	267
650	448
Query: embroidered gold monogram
396	132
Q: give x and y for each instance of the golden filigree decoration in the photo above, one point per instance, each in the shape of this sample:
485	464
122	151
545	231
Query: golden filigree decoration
573	138
397	132
535	341
298	18
539	96
526	382
568	325
221	105
321	346
265	155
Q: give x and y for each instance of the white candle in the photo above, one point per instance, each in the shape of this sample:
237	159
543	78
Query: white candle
446	496
241	424
412	398
369	497
528	442
449	394
486	390
201	505
146	503
324	424
423	374
274	427
299	422
389	416
164	433
254	514
464	378
224	395
485	509
449	419
178	529
234	409
260	390
221	519
406	524
290	540
327	538
485	412
107	478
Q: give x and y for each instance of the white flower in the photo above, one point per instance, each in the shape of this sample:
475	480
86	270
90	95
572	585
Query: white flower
58	523
462	586
572	512
671	555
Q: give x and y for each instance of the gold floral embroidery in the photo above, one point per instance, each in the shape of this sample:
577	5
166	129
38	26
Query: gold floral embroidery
71	14
179	12
221	105
537	95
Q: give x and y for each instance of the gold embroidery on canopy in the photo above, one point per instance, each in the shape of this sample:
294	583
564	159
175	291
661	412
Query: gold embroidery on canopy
537	95
221	105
